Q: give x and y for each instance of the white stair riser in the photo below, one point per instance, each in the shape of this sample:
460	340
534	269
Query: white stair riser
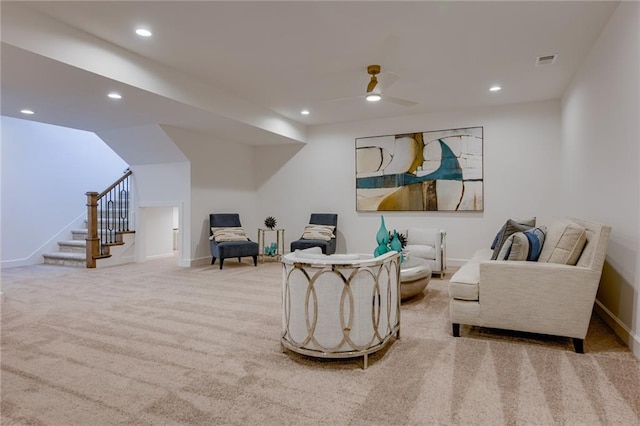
79	235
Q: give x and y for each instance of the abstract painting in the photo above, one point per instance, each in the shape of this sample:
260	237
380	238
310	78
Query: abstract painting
427	171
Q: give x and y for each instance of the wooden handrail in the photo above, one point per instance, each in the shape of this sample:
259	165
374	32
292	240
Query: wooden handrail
114	184
113	222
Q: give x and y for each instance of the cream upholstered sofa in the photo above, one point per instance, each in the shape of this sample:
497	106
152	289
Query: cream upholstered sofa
339	305
537	297
428	244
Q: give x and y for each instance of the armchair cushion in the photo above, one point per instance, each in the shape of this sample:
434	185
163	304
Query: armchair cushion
423	251
228	234
318	232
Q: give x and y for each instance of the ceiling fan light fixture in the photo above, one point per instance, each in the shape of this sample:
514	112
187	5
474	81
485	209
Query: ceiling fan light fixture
143	32
373	97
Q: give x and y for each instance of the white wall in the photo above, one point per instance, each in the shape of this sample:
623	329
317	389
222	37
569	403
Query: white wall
164	185
46	171
521	173
156	230
601	160
222	181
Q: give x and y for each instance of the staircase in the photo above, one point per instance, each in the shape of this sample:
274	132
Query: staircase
107	223
70	252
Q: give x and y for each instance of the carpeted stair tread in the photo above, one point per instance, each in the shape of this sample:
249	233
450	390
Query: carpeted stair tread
66	255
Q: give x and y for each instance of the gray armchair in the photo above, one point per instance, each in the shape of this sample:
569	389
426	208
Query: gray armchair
226	249
328	247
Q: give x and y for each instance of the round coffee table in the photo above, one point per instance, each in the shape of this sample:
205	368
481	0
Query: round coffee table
415	274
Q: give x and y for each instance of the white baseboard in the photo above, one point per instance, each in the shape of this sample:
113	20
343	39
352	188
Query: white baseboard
456	262
201	261
160	256
625	333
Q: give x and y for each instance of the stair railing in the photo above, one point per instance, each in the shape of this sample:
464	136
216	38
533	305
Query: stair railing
107	218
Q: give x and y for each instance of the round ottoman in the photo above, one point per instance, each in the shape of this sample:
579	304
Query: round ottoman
415	274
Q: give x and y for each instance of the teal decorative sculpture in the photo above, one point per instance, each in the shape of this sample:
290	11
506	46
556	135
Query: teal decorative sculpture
382	237
395	242
271	250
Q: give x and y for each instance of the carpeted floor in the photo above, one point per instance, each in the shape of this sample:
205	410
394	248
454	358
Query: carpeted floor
155	344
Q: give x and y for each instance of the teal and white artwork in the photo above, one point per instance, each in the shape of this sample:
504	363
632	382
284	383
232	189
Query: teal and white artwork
427	171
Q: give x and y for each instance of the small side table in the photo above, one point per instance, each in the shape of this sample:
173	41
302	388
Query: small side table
279	242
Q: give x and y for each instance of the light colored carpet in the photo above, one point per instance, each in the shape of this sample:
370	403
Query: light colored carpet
161	345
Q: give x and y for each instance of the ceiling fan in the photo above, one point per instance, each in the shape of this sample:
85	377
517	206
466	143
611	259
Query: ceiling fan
373	95
375	89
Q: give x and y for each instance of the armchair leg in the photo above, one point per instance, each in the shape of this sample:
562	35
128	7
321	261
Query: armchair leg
221	262
455	328
578	345
239	260
255	260
213	260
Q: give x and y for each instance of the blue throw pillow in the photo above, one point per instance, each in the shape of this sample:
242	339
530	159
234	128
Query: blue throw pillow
525	245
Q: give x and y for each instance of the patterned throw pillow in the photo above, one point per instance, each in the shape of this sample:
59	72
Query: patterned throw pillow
318	232
228	234
531	222
511	227
525	245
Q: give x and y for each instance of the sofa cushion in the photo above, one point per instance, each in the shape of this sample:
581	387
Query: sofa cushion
463	291
510	227
564	243
318	232
464	283
425	252
228	234
531	222
525	245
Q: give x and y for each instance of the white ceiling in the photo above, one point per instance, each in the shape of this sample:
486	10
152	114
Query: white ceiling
286	56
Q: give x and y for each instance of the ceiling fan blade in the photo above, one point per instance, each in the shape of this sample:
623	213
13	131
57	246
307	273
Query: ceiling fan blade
343	98
389	78
398	101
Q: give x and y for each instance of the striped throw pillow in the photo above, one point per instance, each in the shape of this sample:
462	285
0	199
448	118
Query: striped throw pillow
228	234
318	232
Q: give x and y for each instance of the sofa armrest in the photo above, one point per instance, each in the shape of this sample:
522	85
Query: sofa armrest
543	298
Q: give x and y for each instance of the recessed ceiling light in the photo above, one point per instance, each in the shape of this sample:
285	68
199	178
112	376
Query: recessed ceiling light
495	88
27	111
373	97
304	112
115	95
143	32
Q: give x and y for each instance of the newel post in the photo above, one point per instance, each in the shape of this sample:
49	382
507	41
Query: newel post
93	242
